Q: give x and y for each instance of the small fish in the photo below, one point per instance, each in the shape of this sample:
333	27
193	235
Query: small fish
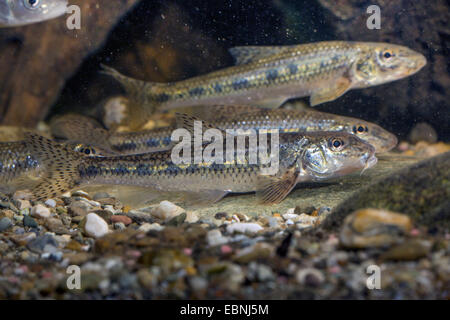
84	130
303	157
15	13
268	76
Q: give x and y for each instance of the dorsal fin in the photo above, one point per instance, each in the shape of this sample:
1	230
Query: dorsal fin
248	54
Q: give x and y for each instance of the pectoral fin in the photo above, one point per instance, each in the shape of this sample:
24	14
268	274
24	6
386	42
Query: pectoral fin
271	190
331	93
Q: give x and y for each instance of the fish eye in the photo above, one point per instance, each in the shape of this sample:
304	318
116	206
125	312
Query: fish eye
336	144
31	4
87	151
387	54
360	129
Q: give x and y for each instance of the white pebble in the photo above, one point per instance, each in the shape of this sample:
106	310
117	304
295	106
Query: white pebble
243	227
191	217
289	222
290	216
215	238
51	203
166	210
23	204
146	227
95	226
40	211
307	219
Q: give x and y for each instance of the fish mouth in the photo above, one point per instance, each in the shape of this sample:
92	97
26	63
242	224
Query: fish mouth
417	62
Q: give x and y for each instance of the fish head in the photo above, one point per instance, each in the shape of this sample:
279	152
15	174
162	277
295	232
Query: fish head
334	154
379	63
373	134
22	12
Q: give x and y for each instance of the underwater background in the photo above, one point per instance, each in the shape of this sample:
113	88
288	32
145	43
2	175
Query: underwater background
316	244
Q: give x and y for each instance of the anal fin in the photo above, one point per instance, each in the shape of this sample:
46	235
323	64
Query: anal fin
341	86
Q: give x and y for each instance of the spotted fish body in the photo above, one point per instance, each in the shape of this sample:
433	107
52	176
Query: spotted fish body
268	76
303	157
226	117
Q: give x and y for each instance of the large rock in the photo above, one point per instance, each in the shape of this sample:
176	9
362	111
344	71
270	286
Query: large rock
422	191
36	60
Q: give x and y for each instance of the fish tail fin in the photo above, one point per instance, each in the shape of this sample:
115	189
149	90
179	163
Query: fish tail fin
60	167
145	98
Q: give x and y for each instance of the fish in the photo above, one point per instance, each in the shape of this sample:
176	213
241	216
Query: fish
88	132
267	76
16	13
303	157
19	168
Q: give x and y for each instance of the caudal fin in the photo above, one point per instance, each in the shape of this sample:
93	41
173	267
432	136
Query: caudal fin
60	166
144	97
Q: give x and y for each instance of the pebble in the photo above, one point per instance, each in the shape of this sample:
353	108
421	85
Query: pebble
5	223
166	210
221	215
22	195
95	226
324	211
40	211
290	216
423	132
273	222
122	219
101	195
50	203
23	204
257	251
306	219
29	222
310	277
146	227
56	225
41	244
244	227
198	283
119	226
409	250
373	228
215	238
191	217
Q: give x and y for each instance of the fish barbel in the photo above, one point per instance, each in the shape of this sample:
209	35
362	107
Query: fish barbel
268	76
303	157
15	13
85	130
